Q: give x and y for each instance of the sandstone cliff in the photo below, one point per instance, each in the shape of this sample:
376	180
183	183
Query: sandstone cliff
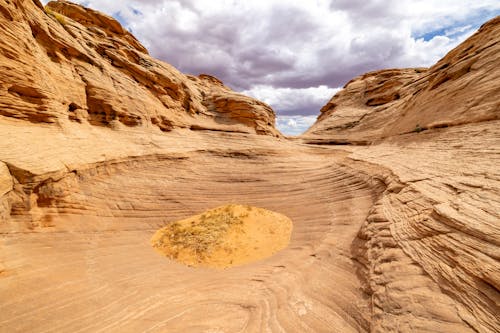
461	88
67	62
101	145
436	226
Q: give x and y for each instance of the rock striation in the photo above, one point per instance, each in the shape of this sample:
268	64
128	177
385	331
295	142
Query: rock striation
67	62
459	89
394	193
436	226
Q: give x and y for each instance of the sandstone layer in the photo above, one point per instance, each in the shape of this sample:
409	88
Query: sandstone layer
101	145
437	131
461	88
69	63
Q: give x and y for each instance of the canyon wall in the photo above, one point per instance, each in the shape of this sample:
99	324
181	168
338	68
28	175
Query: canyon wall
69	63
437	224
461	88
394	193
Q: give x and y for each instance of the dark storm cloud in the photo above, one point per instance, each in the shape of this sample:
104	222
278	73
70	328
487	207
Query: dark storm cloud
269	47
242	50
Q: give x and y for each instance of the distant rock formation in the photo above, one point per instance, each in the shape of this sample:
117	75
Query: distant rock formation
459	89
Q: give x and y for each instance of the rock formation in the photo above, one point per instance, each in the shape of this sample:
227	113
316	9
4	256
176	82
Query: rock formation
72	63
436	131
461	88
394	193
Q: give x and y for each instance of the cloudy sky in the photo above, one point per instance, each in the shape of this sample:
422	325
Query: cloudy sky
296	54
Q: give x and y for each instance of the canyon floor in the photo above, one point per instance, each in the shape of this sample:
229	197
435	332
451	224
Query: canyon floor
89	265
81	278
394	193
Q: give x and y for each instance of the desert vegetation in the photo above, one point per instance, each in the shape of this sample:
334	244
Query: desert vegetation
57	16
220	233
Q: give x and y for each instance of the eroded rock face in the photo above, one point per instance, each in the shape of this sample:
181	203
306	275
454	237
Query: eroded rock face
434	231
435	228
365	106
461	88
102	145
73	63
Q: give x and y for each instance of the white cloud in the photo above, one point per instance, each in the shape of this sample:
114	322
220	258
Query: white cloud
293	101
294	125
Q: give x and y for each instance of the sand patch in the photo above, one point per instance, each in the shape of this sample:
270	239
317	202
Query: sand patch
225	236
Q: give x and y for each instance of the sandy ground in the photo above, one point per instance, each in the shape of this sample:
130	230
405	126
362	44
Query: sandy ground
226	236
362	222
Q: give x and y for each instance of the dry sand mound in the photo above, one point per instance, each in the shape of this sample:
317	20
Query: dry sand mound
226	236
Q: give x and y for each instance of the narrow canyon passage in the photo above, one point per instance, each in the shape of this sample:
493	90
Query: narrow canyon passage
103	275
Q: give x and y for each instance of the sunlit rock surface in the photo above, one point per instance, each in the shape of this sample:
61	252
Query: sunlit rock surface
102	145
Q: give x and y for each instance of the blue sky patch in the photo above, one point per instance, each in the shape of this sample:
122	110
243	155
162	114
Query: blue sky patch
454	30
135	11
118	16
431	34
